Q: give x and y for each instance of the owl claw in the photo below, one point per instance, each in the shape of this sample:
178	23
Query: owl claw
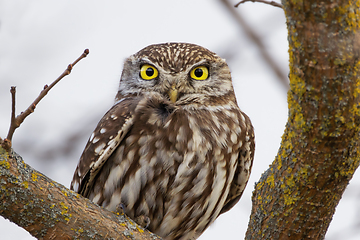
143	221
120	209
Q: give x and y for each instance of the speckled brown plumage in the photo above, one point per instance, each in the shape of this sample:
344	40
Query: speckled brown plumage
175	164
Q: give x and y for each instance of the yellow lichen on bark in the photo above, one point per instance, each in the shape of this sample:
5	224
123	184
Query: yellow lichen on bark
48	210
320	148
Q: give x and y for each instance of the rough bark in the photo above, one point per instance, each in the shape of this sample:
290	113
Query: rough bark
48	210
296	197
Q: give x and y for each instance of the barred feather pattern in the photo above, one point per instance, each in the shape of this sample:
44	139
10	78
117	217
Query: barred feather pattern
179	164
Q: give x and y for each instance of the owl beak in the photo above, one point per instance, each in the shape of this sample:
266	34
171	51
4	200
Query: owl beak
173	94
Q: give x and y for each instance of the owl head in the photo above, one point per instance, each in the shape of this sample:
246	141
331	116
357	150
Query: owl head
182	73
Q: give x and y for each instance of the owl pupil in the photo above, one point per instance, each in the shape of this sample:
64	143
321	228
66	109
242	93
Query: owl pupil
149	72
198	72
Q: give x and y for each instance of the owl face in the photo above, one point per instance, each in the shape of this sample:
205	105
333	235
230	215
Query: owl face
180	72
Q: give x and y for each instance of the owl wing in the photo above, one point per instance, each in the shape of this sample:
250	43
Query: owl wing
243	169
103	141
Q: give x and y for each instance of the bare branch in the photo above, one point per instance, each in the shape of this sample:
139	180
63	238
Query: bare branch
13	92
272	3
13	120
257	41
48	210
16	121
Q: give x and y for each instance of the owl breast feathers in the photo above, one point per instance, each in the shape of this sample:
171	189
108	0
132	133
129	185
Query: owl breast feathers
174	149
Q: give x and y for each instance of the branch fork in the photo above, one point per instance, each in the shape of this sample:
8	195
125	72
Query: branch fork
16	121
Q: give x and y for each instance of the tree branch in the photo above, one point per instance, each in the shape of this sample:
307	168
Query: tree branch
16	121
272	3
48	210
257	41
320	149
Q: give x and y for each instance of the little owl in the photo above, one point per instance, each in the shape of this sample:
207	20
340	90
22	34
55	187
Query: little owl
174	151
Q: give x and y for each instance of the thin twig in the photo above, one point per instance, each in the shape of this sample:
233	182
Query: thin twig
257	41
16	121
13	119
272	3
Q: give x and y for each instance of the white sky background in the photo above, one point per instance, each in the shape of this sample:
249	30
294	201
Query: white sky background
39	38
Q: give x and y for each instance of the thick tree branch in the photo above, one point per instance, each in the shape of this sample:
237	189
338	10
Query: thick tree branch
16	121
48	210
320	150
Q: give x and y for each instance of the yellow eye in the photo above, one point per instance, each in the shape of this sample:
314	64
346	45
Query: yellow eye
199	73
148	72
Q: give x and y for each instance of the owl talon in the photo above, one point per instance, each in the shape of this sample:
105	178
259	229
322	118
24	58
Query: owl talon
120	209
143	221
